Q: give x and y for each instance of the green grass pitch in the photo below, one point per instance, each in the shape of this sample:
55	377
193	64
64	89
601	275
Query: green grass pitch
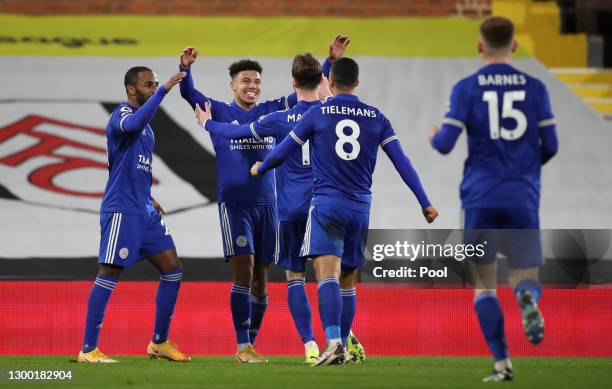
283	372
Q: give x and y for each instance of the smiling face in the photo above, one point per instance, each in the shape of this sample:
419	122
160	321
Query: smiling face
246	86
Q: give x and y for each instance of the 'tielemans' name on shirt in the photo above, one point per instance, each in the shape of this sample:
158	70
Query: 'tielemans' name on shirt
344	110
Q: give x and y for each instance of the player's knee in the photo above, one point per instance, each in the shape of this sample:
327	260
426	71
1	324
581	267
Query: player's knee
177	265
243	277
481	292
348	279
259	287
293	275
109	270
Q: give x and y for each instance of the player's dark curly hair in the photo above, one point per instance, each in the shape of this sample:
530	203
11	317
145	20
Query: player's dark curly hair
131	76
497	32
306	71
242	65
345	73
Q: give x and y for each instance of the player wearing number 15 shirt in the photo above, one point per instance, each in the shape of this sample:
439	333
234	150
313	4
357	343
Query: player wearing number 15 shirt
510	130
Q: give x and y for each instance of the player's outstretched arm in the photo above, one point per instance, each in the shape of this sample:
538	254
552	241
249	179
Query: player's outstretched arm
402	164
188	90
277	156
292	142
138	120
454	120
549	144
444	139
324	90
255	130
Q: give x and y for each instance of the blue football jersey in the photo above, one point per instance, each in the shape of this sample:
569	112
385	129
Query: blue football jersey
235	157
345	135
130	158
294	178
504	112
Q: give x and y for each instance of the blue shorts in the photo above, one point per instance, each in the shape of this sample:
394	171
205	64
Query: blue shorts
336	231
514	232
248	229
289	238
127	238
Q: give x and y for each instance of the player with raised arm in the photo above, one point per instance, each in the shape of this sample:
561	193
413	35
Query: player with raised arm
131	221
344	134
507	117
294	187
247	205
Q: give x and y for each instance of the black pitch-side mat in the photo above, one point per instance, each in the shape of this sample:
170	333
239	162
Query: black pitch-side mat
86	268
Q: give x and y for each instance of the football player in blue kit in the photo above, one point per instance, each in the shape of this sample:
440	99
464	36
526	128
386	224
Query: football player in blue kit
131	221
344	135
507	117
247	205
294	187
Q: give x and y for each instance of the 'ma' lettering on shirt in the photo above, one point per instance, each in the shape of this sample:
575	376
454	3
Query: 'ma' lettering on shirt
294	117
344	110
501	79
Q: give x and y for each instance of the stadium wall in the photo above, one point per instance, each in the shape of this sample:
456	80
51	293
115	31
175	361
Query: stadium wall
250	7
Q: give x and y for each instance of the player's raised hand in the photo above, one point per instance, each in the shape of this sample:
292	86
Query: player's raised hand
175	79
188	56
432	133
254	168
323	89
337	47
430	214
202	115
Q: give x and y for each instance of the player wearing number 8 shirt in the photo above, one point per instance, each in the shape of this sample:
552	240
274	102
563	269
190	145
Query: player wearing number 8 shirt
345	134
507	117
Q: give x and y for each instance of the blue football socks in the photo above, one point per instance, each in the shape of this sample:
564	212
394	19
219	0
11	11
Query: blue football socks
349	305
241	312
491	319
300	309
167	293
96	307
330	307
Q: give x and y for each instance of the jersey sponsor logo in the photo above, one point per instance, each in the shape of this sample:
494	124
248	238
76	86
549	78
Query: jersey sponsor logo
245	144
144	163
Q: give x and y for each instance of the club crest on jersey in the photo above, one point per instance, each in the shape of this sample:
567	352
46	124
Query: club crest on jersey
124	252
241	241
